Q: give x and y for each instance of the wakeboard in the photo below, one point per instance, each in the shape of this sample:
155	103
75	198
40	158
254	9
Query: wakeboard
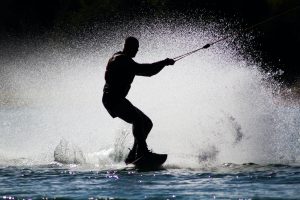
150	161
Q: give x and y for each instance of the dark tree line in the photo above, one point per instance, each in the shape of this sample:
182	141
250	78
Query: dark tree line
20	16
281	38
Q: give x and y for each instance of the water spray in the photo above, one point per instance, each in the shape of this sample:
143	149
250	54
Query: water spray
247	29
205	117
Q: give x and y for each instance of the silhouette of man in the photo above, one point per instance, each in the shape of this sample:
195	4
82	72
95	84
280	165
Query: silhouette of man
120	72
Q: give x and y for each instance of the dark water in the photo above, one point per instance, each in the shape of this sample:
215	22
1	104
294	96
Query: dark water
223	182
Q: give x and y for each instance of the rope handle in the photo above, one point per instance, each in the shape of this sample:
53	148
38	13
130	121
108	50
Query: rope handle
191	52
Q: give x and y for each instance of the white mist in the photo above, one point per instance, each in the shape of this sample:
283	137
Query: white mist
211	107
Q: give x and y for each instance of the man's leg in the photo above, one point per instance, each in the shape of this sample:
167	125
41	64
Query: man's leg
141	124
141	128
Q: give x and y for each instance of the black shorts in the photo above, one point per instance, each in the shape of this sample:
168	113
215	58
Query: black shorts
121	108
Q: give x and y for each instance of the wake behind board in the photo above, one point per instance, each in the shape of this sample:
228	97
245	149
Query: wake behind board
150	161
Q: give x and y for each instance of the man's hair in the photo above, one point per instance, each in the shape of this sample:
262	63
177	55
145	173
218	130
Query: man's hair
131	42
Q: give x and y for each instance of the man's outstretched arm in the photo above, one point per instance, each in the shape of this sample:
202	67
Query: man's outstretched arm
153	68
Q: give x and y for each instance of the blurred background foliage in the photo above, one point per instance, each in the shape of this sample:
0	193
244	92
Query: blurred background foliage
19	16
280	39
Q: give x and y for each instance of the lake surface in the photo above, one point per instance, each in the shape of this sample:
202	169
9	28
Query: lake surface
229	181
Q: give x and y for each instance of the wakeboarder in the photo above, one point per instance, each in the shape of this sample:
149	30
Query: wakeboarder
120	72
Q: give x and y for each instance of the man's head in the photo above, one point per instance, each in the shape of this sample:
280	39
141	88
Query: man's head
131	46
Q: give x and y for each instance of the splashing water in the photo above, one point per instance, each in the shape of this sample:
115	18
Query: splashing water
211	107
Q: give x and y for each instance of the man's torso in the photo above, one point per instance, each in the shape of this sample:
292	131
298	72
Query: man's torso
119	75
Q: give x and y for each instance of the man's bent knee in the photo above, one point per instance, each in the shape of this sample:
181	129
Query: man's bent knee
148	124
